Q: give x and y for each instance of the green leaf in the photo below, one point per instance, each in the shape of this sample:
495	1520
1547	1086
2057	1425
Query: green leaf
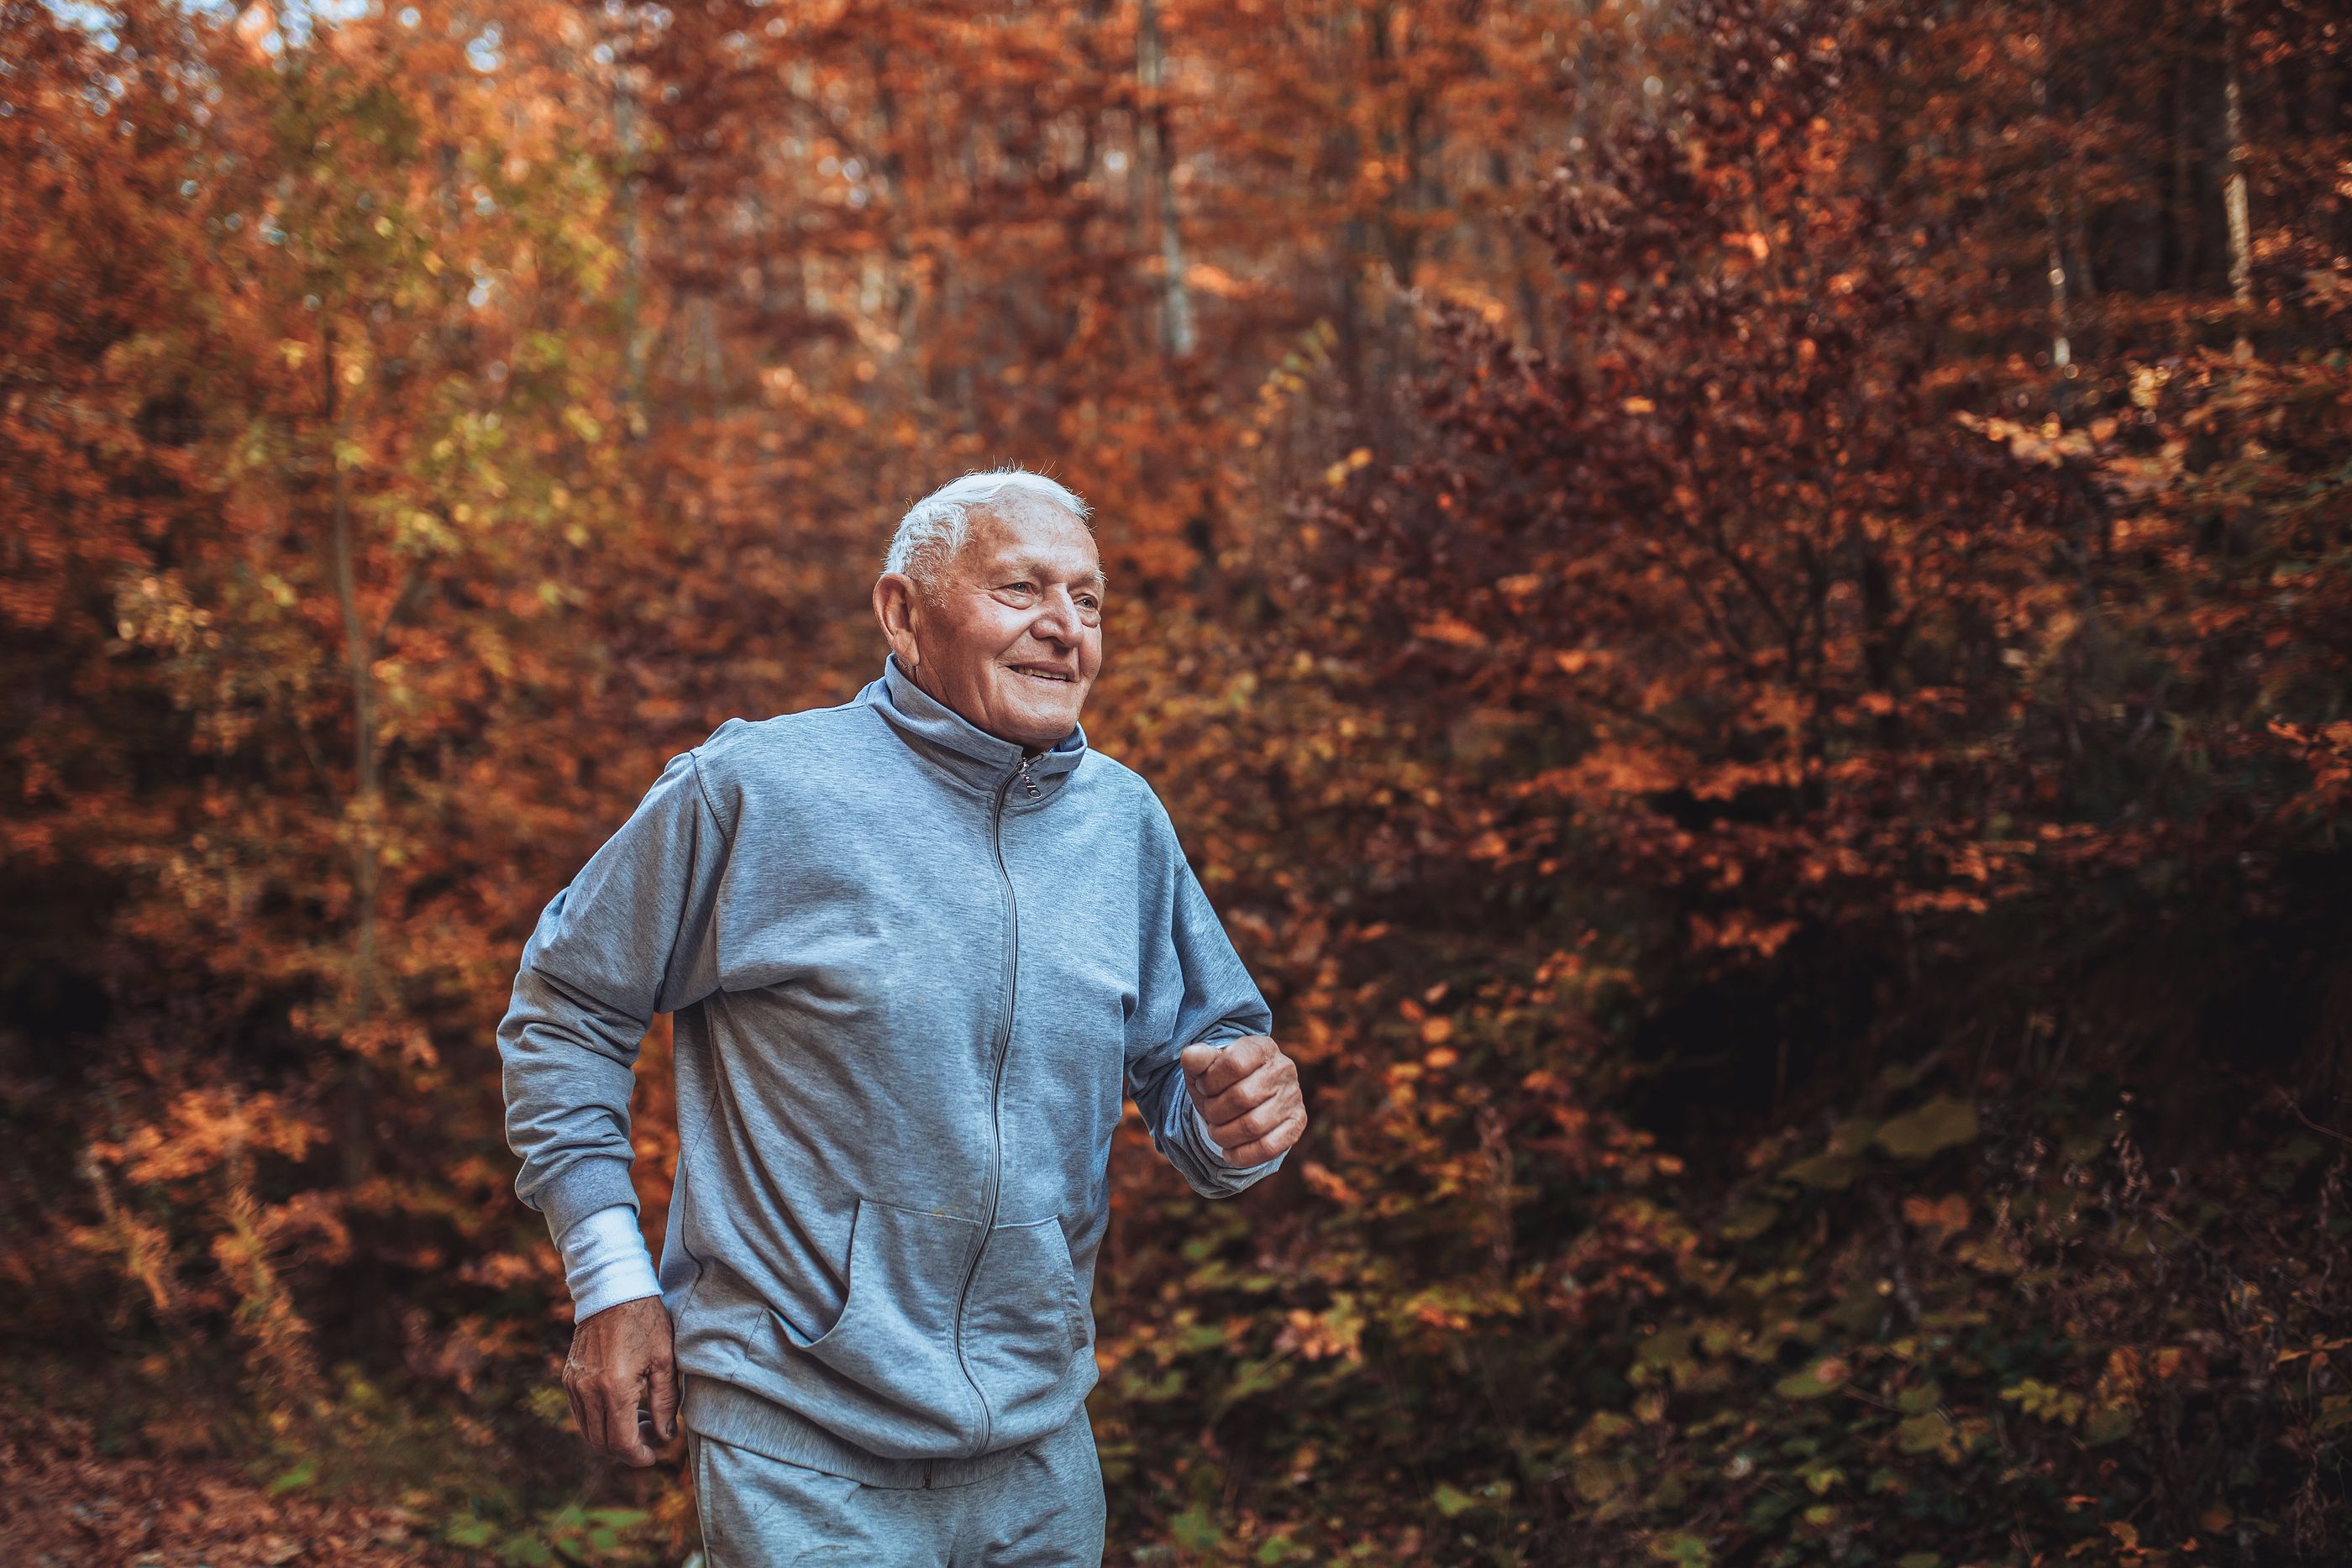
525	1551
1598	1480
1898	1076
466	1530
1169	1385
1924	1433
2297	1151
1254	1377
1600	1431
1853	1136
619	1518
1827	1172
301	1475
1749	1221
1942	1124
1202	1336
1452	1499
2106	1425
1923	1396
1195	1531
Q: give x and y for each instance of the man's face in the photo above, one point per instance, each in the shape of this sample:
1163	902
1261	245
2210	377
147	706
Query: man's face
1013	637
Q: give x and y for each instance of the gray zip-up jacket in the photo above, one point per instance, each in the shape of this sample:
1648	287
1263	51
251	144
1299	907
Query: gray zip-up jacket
915	971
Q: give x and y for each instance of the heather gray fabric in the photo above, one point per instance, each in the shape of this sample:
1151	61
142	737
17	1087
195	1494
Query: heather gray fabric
1045	1510
914	972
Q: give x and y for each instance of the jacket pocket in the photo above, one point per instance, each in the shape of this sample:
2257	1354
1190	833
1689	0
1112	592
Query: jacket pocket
1024	1327
885	1374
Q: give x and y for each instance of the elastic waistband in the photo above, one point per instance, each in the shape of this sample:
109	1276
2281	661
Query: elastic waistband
726	1413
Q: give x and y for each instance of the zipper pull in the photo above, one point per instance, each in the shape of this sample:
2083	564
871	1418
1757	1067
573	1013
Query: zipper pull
1029	783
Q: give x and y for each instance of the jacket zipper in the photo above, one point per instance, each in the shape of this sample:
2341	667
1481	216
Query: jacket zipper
995	1091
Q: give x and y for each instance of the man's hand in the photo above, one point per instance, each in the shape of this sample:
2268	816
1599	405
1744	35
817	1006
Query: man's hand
618	1356
1248	1094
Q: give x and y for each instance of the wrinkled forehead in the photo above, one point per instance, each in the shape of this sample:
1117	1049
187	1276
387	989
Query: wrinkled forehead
1033	536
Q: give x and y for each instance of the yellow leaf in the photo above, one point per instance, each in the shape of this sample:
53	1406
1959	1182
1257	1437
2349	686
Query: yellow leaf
1452	629
1942	1124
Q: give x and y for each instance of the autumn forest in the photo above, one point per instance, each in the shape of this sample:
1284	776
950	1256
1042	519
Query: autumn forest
1744	606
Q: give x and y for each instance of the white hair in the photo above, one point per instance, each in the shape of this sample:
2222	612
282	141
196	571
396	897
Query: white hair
935	527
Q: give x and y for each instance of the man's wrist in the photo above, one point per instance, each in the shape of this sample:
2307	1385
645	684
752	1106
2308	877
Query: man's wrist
605	1261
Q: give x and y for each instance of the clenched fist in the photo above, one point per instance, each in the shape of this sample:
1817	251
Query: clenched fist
1248	1094
621	1358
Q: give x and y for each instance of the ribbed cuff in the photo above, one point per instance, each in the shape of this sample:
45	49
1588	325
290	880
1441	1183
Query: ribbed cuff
605	1261
1209	1144
581	1188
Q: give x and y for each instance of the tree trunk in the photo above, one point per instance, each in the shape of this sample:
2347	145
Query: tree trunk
2062	346
2234	132
1515	238
1176	300
631	396
2186	229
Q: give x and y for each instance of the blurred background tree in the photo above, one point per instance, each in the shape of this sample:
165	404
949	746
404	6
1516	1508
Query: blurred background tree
1744	606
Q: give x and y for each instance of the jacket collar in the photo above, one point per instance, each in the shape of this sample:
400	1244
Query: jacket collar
953	743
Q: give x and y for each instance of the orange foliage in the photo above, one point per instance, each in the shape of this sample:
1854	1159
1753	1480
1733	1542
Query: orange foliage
1742	604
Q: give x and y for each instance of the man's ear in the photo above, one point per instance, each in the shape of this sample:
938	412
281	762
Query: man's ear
898	606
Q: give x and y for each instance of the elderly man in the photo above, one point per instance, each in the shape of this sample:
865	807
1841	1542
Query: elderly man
920	947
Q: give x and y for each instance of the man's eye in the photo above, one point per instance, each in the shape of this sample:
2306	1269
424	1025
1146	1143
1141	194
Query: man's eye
1021	587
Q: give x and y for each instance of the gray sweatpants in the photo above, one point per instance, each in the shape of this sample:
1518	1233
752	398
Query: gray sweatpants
1044	1511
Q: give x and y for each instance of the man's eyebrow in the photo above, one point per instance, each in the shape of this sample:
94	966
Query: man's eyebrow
1039	568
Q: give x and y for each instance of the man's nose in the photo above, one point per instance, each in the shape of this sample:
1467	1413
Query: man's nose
1057	617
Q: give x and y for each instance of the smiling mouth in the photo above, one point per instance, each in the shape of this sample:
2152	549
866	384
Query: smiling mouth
1055	675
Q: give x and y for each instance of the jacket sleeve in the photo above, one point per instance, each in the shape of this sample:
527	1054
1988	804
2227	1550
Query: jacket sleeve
1195	990
631	937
